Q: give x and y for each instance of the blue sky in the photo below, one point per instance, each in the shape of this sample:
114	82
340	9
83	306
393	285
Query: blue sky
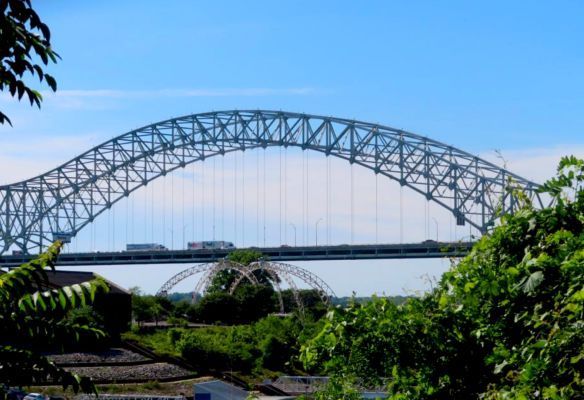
490	75
480	76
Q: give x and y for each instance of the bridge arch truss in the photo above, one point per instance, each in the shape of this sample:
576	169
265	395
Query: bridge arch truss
208	270
276	271
63	201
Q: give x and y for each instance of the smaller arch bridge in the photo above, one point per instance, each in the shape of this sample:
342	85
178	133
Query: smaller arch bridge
209	270
276	271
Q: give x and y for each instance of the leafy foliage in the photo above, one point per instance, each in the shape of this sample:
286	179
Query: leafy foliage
505	323
248	304
271	343
24	38
34	318
223	280
147	308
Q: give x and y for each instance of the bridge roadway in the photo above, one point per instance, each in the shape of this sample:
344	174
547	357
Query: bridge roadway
428	249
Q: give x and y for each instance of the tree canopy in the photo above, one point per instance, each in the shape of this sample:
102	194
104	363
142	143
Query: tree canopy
223	280
25	49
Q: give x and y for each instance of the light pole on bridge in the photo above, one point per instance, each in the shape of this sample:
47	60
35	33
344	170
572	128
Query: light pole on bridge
294	227
184	228
316	231
436	222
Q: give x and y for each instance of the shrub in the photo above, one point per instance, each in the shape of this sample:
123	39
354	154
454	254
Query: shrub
505	323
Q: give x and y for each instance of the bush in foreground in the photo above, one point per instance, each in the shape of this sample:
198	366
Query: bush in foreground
34	318
507	322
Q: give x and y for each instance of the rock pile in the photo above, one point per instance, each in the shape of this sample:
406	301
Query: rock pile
146	372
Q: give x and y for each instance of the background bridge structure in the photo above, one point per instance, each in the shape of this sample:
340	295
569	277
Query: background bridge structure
60	203
276	271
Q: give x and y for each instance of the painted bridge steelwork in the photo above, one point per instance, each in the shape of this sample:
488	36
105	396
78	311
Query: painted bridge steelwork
310	253
61	202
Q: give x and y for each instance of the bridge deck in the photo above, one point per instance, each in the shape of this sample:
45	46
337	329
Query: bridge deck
307	253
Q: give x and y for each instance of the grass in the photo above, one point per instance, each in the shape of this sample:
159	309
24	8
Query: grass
158	342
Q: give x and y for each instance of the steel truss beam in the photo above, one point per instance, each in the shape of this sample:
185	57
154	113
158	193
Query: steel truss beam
68	198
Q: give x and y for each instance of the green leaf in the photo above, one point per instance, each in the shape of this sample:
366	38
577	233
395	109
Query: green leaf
533	282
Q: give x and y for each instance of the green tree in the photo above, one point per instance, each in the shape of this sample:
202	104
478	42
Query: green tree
149	308
34	318
218	307
25	47
255	302
504	323
142	308
223	280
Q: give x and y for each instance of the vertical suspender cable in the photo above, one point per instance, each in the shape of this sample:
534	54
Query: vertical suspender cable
214	165
280	195
172	211
352	204
93	236
235	197
132	226
304	197
376	209
194	203
114	230
401	214
203	187
183	220
243	198
258	197
127	217
307	225
264	203
145	228
163	211
108	244
286	195
328	199
152	191
223	195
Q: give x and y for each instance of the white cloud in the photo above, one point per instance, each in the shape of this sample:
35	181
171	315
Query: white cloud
95	98
141	94
98	99
24	159
536	164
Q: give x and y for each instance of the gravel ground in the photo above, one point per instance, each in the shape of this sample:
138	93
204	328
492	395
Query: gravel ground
111	355
118	373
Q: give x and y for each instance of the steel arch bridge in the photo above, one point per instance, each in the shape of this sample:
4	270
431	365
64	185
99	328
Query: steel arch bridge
61	202
276	271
